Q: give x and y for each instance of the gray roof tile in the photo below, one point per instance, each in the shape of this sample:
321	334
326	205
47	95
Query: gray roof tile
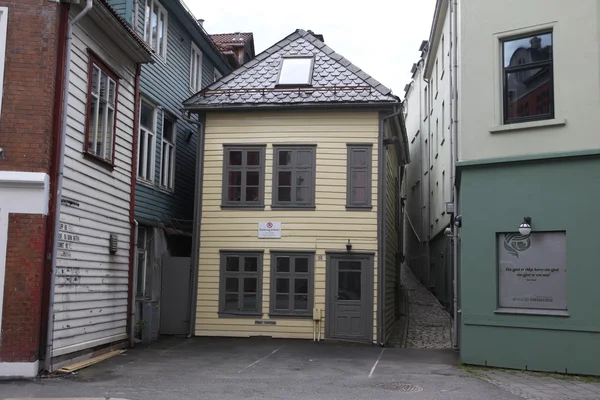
351	85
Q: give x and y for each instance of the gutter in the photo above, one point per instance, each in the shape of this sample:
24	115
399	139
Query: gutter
59	180
195	256
134	225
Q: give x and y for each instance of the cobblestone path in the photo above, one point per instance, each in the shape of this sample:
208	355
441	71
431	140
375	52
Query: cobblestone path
429	324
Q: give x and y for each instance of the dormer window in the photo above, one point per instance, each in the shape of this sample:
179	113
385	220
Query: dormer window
296	71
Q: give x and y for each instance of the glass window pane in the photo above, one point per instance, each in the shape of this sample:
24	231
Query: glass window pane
235	178
232	263
349	285
93	124
285	157
234	193
252	178
149	159
231	285
304	158
285	178
359	158
295	71
284	194
103	86
283	264
147	116
154	40
350	265
95	79
253	158
303	194
302	178
161	34
249	302
97	146
111	92
282	285
301	302
148	31
231	302
250	285
141	273
529	93
168	130
300	286
235	157
110	124
282	302
251	264
301	265
252	194
528	50
141	161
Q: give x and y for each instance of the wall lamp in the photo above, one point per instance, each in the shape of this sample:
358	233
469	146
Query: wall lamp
525	227
348	246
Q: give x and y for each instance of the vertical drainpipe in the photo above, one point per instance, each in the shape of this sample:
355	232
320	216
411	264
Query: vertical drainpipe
195	257
427	233
380	228
59	180
454	148
134	231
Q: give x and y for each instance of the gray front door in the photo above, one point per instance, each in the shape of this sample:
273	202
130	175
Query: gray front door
350	297
174	298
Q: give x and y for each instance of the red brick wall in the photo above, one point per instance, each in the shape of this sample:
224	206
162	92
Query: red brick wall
29	83
21	316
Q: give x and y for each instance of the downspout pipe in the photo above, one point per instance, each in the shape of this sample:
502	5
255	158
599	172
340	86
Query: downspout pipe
59	180
454	158
427	234
195	258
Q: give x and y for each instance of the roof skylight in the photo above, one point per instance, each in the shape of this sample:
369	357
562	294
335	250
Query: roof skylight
296	70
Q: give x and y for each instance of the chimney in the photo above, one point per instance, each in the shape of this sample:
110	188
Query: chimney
238	37
201	22
317	35
536	43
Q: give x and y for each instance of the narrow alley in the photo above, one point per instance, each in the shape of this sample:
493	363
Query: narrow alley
429	324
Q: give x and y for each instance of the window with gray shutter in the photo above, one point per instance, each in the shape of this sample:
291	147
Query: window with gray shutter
243	177
358	186
294	173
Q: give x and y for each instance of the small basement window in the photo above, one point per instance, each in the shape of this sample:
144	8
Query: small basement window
296	71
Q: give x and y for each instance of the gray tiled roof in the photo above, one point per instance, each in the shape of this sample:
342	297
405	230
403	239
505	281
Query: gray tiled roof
334	80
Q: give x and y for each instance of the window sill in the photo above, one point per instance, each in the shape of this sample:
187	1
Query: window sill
145	182
295	316
223	314
529	125
98	161
166	191
290	207
528	311
241	207
358	208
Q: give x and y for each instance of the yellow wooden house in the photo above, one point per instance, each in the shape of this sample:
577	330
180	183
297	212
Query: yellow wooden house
301	159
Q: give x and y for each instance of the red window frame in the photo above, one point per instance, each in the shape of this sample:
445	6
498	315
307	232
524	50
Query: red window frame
94	59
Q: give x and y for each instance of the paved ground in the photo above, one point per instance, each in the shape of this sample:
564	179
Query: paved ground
263	368
541	386
429	324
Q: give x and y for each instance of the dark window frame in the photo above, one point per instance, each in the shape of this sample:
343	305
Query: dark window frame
525	67
291	276
368	147
95	61
260	204
240	275
275	202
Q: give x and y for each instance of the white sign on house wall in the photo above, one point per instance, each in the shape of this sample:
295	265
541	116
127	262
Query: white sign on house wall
269	230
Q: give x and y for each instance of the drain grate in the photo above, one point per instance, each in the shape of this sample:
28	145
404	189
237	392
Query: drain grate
400	387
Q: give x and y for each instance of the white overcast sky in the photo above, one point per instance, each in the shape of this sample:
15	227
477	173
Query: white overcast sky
381	37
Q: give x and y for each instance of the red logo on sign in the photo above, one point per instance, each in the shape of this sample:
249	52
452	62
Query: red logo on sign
269	224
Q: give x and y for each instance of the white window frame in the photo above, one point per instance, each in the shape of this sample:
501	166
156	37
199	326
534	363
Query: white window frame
217	75
3	33
196	69
170	184
147	176
107	124
150	4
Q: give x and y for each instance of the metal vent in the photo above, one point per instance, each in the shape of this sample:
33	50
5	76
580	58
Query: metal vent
114	242
400	387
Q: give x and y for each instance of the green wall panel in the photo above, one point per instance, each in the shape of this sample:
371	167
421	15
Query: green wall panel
559	195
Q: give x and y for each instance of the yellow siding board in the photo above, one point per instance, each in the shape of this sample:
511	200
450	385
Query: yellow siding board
328	227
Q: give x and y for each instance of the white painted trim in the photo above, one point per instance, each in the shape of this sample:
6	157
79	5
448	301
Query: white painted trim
529	125
19	369
16	179
3	30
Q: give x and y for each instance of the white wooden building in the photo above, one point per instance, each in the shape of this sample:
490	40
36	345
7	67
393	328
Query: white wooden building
94	263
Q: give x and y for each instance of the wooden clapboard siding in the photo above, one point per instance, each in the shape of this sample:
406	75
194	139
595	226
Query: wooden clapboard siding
91	286
391	265
328	227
